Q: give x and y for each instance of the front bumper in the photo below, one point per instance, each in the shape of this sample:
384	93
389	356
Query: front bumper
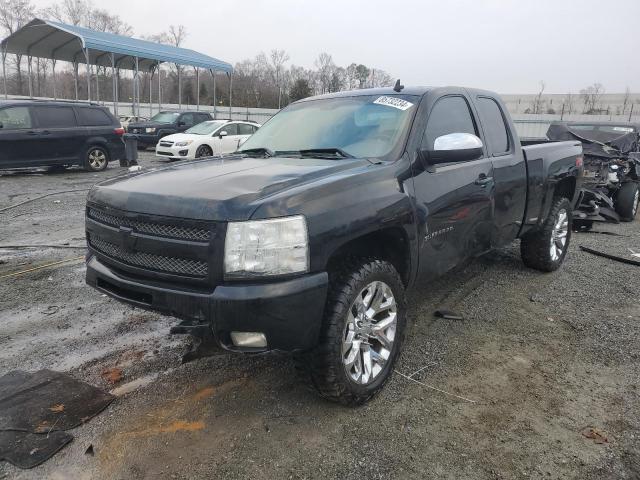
288	312
178	153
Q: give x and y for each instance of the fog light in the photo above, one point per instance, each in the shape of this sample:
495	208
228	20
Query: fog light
183	153
249	339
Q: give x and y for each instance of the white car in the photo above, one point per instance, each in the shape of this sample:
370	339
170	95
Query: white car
214	137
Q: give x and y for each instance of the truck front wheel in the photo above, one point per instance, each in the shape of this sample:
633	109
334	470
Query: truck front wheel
627	200
362	331
544	249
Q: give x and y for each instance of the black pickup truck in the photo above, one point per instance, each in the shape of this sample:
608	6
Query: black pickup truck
165	123
307	238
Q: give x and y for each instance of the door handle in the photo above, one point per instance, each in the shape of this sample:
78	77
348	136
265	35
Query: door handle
45	132
31	132
483	180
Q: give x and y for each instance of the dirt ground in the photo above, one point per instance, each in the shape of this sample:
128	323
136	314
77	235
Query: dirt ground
540	359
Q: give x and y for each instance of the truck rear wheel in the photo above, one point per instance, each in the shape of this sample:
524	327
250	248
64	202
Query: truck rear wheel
545	248
626	201
362	332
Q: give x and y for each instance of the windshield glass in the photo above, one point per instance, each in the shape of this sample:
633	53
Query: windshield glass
205	128
361	126
164	117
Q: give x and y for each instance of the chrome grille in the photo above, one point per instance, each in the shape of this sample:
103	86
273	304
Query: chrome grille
176	265
166	143
158	229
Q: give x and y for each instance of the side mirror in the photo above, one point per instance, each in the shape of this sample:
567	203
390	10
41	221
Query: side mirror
453	147
182	124
1	125
223	133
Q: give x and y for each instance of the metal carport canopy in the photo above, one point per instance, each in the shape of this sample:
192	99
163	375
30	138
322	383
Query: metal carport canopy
59	41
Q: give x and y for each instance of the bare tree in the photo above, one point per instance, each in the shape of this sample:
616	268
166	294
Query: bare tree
538	103
278	59
568	102
626	100
14	14
324	64
591	97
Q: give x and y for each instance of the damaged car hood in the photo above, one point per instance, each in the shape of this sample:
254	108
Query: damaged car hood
223	189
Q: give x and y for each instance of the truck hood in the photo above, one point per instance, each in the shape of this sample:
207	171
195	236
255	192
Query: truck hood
223	189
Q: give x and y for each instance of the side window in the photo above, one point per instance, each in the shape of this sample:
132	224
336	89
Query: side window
449	115
55	117
14	118
93	117
231	129
203	117
245	129
254	129
187	118
493	125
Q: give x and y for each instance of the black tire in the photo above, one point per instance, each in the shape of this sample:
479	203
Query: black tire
204	151
322	368
626	202
536	246
96	159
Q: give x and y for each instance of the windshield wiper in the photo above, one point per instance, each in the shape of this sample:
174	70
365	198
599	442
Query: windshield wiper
325	153
265	152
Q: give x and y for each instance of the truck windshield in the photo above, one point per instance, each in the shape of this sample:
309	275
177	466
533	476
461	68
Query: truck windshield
164	117
360	126
205	128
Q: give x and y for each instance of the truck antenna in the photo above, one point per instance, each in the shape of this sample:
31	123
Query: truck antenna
398	87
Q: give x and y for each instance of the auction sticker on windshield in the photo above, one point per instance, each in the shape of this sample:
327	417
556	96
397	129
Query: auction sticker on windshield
394	102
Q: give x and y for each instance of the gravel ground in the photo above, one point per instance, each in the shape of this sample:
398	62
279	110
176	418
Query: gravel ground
541	357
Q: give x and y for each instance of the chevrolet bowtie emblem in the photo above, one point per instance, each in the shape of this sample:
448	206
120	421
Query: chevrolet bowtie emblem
127	240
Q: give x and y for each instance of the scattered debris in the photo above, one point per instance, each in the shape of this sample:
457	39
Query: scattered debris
447	314
54	264
36	409
89	450
42	196
434	388
57	408
51	309
112	375
594	434
609	256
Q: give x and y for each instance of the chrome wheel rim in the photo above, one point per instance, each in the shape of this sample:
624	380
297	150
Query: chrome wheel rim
559	235
97	159
369	333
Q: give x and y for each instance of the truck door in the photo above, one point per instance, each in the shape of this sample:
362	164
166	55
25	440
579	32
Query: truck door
455	197
509	171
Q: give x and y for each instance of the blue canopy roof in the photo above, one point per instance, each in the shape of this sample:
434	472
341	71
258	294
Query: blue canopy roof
59	41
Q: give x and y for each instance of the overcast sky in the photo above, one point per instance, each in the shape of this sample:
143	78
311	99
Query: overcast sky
502	45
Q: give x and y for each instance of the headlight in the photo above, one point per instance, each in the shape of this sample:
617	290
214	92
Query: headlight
150	130
183	144
266	247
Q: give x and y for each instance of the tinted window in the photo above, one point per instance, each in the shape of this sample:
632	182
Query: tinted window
93	117
231	129
203	117
15	117
245	129
55	117
449	115
493	125
187	119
